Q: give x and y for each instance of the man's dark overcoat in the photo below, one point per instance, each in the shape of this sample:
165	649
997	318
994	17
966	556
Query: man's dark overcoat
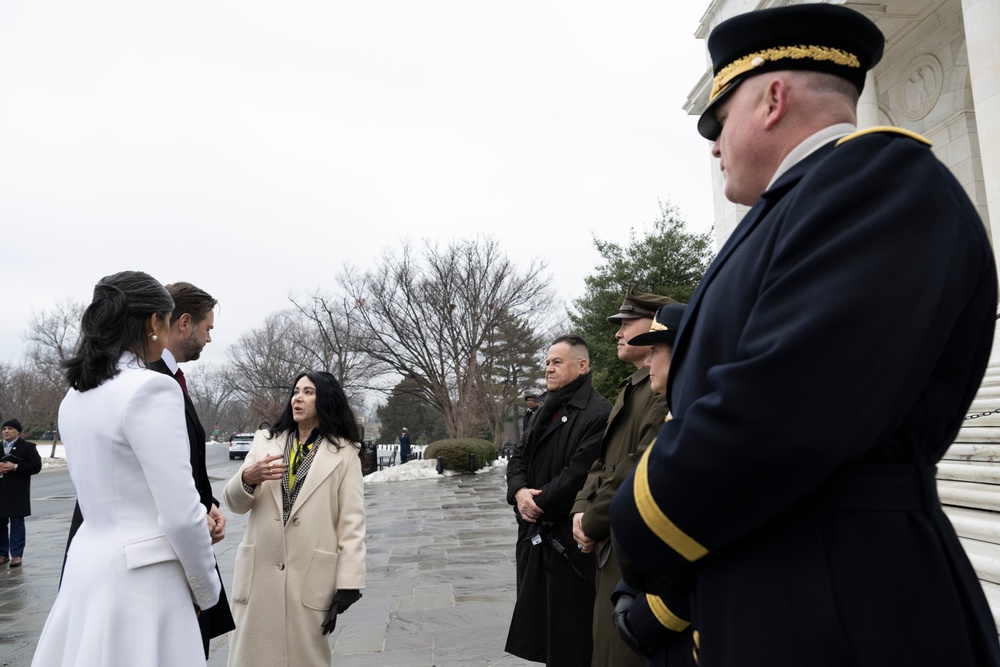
824	365
196	440
15	487
552	615
217	620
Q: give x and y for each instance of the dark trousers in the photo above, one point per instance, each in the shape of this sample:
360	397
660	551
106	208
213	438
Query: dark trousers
13	545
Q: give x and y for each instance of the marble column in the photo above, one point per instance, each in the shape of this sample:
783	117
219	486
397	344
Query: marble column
868	115
868	104
981	20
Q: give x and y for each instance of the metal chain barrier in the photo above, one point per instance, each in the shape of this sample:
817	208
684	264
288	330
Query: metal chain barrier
983	414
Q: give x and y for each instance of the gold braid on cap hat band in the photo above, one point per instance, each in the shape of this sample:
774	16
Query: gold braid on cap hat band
754	60
656	326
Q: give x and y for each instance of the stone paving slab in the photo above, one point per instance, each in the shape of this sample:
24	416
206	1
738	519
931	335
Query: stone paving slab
440	582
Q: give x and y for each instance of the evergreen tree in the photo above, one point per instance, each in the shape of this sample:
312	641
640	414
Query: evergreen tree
667	260
407	408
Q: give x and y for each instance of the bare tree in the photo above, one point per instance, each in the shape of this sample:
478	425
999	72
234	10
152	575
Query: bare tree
51	337
27	395
264	362
438	317
336	345
212	391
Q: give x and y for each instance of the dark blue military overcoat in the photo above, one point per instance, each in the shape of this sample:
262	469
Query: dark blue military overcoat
824	366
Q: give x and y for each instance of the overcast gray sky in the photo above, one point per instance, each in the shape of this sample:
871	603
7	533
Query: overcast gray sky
254	148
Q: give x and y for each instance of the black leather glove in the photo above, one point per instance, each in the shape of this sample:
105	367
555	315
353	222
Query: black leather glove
671	585
11	458
341	601
620	615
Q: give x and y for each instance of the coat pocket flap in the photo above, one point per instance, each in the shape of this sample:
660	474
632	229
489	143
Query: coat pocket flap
141	553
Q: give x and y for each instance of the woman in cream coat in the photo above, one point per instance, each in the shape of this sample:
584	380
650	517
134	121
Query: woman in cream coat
302	559
142	563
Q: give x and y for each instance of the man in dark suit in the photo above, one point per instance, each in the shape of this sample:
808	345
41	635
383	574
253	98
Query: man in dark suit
823	366
18	462
191	327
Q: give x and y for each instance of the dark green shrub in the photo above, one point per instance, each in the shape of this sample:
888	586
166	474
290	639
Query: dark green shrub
454	454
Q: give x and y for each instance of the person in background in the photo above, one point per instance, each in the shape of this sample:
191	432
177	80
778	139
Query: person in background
404	446
531	406
302	559
635	418
19	462
825	364
555	581
141	566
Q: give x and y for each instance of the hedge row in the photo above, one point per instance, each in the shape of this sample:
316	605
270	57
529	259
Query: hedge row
454	454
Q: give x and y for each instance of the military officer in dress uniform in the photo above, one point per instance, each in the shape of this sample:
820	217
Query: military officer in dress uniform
824	365
651	626
635	418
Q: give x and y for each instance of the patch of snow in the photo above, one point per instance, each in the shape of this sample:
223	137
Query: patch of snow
424	469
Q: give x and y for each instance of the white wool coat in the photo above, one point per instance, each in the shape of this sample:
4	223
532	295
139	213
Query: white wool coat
285	576
143	556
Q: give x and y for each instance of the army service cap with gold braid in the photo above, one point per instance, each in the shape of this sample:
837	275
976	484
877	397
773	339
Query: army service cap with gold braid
816	37
664	327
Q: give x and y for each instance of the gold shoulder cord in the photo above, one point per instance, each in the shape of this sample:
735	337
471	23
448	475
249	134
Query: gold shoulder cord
885	129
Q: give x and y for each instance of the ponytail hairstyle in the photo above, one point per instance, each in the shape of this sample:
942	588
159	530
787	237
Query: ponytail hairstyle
115	323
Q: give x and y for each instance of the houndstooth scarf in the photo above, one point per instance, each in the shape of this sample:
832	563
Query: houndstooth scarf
288	496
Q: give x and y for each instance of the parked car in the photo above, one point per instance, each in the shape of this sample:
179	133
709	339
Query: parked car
49	435
239	445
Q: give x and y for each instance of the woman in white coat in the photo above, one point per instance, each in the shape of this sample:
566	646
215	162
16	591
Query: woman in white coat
142	564
302	559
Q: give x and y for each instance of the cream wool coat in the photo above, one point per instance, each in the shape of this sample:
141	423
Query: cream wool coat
143	556
285	577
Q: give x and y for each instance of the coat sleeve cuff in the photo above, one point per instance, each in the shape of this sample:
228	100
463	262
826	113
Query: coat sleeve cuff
654	622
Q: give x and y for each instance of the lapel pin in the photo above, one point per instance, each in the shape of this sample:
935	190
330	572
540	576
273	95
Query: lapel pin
565	419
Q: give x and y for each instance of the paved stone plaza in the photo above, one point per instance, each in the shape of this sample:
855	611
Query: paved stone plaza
440	587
